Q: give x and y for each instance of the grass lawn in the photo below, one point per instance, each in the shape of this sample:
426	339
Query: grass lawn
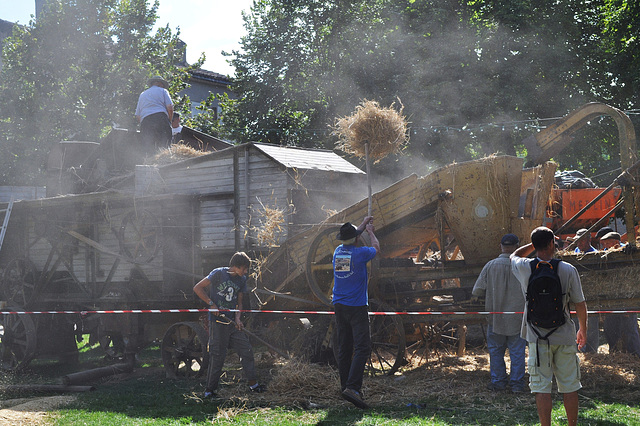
447	391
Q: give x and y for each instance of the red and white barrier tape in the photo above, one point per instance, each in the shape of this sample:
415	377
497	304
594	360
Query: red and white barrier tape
257	311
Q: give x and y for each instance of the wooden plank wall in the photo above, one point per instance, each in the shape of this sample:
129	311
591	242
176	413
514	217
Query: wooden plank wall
105	230
217	224
236	185
268	187
216	180
321	193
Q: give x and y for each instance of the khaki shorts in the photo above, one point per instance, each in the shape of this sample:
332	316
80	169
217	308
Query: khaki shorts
555	360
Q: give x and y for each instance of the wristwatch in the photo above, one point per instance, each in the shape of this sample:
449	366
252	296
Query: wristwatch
210	302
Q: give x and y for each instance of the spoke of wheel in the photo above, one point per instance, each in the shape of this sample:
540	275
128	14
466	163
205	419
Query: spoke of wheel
383	358
18	341
135	228
380	361
191	335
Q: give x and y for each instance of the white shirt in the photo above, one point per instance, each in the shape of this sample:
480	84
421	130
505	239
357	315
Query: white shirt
153	100
572	290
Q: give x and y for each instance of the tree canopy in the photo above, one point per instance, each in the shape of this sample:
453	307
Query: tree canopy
475	77
75	72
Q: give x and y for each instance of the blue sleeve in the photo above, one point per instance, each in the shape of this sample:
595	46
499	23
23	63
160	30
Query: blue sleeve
372	253
213	276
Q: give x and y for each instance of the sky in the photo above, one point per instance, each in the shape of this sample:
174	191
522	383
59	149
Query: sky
208	26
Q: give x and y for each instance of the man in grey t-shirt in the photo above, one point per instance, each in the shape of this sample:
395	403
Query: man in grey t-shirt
558	355
154	113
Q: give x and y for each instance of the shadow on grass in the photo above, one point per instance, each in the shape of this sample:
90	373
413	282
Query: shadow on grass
148	395
342	416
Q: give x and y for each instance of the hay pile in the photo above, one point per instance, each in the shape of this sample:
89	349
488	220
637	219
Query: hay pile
619	283
384	129
441	377
617	374
176	152
299	383
444	384
270	229
298	380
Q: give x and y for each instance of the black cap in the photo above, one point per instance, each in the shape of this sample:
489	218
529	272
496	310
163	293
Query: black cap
348	231
603	231
611	236
509	240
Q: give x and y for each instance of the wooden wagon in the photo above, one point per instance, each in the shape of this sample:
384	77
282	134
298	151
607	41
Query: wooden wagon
143	243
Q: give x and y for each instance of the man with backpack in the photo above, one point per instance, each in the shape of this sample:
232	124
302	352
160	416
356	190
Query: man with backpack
549	286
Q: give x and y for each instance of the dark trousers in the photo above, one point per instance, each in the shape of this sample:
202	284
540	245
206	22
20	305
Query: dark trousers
221	337
155	131
622	327
354	344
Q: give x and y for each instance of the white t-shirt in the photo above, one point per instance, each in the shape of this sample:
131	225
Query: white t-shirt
153	100
572	289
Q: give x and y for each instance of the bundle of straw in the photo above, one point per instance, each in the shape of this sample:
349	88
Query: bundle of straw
299	379
384	129
269	231
176	152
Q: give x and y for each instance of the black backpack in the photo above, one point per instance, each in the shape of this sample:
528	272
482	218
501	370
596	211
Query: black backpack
545	299
545	307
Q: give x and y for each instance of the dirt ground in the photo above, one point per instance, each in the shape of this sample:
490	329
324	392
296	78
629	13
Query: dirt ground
30	411
443	377
295	383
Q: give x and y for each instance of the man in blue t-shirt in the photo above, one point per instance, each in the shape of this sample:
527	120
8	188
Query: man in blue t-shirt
223	290
350	300
584	241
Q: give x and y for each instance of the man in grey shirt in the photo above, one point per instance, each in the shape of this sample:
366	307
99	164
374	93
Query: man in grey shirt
154	113
502	293
557	357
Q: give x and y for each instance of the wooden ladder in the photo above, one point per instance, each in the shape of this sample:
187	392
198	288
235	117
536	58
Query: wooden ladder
5	222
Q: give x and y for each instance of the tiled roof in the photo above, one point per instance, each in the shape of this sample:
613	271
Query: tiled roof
211	76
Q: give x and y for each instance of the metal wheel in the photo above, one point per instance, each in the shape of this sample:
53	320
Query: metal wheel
430	339
388	342
184	350
319	268
19	281
17	341
139	236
